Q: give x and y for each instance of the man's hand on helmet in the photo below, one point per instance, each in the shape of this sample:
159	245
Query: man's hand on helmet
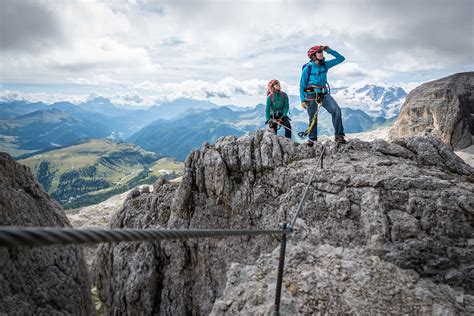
303	105
324	47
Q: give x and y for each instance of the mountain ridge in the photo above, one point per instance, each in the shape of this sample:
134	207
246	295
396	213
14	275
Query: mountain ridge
99	118
376	100
179	136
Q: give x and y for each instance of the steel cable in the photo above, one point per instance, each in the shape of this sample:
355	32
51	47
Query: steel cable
37	236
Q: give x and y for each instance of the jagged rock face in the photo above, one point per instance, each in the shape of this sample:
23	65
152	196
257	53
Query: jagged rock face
408	203
42	280
443	108
313	279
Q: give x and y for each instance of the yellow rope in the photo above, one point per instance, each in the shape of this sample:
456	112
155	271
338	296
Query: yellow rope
313	121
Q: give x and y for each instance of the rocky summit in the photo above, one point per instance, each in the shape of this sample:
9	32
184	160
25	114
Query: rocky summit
443	108
386	228
39	280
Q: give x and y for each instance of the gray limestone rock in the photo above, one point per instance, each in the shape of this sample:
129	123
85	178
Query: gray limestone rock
443	108
43	280
410	210
335	280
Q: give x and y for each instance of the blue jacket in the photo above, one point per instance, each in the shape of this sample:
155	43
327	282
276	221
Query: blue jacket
318	76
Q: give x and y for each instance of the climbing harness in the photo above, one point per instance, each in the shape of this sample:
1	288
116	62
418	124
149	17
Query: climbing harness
315	93
274	120
281	125
318	91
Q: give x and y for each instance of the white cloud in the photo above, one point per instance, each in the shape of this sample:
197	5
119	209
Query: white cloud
350	69
133	99
226	91
90	45
45	97
199	89
338	84
8	95
103	54
97	80
163	46
90	18
404	62
408	86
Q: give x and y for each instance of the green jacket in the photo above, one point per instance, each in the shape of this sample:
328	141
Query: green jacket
279	105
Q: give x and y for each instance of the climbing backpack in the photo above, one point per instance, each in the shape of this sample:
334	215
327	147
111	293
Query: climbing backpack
318	91
282	94
310	68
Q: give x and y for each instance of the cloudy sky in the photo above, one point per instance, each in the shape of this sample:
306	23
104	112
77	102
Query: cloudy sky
140	51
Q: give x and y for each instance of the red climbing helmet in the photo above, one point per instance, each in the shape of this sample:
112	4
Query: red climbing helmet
313	50
270	86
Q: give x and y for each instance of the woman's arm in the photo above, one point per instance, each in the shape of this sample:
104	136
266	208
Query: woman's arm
333	62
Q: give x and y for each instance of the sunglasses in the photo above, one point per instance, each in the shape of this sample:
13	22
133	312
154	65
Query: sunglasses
319	52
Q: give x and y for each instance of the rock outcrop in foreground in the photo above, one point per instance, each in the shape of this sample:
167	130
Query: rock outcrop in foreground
443	108
386	228
43	280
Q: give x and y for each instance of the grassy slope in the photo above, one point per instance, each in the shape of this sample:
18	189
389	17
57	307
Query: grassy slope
166	165
9	145
82	156
115	168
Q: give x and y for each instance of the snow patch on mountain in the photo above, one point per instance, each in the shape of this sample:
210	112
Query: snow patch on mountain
380	100
377	100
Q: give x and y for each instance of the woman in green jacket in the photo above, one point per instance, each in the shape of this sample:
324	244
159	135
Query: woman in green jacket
277	108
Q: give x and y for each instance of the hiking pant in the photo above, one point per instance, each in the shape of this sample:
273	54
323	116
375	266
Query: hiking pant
286	123
333	108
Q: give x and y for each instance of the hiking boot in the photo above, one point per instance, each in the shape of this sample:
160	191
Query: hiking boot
309	143
340	139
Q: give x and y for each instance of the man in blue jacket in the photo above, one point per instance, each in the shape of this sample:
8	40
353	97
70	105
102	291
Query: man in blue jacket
314	90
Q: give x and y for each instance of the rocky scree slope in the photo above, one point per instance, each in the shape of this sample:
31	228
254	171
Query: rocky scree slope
402	209
39	280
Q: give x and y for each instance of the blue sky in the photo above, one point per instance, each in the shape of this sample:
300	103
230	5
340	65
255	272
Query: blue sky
143	52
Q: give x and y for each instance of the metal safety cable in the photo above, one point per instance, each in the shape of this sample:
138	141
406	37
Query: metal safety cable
300	206
37	236
272	120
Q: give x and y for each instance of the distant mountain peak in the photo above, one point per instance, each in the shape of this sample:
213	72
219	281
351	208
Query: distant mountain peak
382	100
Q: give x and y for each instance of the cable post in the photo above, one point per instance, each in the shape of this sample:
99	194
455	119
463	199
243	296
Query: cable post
281	265
322	156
